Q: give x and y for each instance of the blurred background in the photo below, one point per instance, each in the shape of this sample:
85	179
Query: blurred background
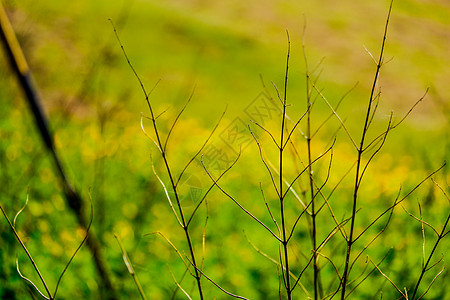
229	55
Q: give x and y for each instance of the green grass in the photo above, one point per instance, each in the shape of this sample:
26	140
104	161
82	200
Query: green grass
221	49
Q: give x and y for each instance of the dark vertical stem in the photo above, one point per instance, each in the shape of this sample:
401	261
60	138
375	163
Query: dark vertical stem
282	198
311	187
310	171
358	166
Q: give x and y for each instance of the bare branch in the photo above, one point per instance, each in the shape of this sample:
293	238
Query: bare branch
167	195
370	54
411	109
22	244
401	200
79	247
179	286
147	135
201	148
276	262
316	159
431	283
336	108
176	120
368	274
173	247
376	236
264	162
425	268
204	235
31	282
290	187
336	114
388	279
295	126
396	124
20	211
374	153
209	189
278	93
421	221
332	263
268	209
268	132
376	102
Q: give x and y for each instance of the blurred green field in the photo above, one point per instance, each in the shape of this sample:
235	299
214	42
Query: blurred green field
226	53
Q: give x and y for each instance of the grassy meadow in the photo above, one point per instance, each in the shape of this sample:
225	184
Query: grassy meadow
229	58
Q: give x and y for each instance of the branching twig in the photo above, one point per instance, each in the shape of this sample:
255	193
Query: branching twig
360	148
13	228
159	142
438	240
388	279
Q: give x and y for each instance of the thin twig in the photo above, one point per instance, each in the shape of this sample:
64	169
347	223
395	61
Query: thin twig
358	177
201	148
173	247
335	108
179	286
336	114
79	247
166	192
22	244
209	189
388	279
31	282
181	218
275	262
268	209
130	267
176	120
440	237
264	162
213	282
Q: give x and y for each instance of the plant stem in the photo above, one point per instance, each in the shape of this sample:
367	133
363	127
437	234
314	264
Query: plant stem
311	186
16	234
162	149
180	209
425	267
282	197
360	150
130	267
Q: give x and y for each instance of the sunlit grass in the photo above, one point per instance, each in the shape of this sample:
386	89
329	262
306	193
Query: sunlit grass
221	50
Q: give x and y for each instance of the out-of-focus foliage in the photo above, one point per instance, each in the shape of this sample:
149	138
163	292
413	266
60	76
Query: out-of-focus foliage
94	106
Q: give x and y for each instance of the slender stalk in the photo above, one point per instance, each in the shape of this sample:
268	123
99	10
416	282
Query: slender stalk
360	150
282	197
313	202
311	182
161	147
16	234
130	267
174	187
425	267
